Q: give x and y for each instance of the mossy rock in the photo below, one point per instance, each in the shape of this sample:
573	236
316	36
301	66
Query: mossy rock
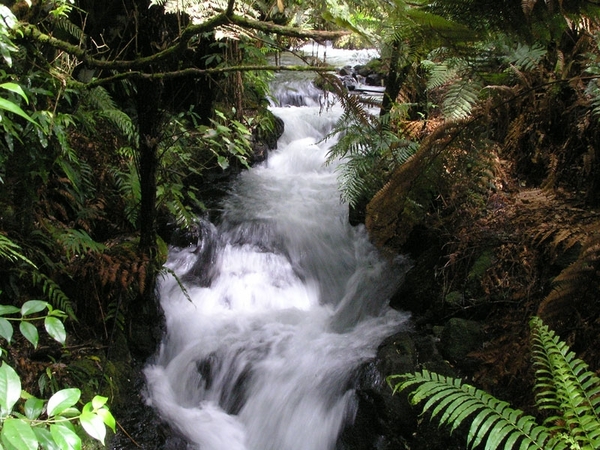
459	338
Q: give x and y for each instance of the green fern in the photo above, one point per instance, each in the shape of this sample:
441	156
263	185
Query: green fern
462	95
439	73
593	92
564	385
11	251
78	242
57	298
525	57
368	150
64	24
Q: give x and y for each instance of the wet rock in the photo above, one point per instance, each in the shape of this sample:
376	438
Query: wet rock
386	421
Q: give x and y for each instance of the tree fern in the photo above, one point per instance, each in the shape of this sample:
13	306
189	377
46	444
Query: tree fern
526	57
564	385
462	95
439	73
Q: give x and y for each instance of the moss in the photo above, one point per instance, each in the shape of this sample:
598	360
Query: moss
481	265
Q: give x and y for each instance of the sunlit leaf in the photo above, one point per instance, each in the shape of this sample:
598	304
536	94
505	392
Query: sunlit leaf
14	87
6	329
30	332
55	329
8	309
108	419
62	400
45	439
33	306
15	109
93	425
19	434
33	408
66	438
10	387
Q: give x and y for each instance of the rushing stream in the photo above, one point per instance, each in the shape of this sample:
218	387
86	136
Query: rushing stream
286	301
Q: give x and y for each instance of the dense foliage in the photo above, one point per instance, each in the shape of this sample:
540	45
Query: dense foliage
119	116
565	386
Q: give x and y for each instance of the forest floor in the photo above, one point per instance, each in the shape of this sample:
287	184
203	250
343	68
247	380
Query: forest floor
533	252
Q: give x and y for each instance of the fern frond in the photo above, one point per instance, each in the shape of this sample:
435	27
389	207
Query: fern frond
577	282
78	242
452	402
527	6
526	57
566	385
68	26
122	122
460	99
593	92
440	74
57	298
11	251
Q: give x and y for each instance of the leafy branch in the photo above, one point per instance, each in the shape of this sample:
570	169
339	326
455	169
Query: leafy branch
48	423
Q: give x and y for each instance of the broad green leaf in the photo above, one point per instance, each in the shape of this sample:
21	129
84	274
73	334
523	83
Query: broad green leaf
8	309
14	87
33	306
98	401
62	400
55	329
10	387
108	418
33	408
45	439
6	329
15	109
66	438
30	332
93	425
19	434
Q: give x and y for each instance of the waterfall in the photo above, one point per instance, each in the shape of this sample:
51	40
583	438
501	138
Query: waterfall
283	301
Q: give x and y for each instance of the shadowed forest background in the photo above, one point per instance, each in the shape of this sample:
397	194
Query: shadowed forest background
123	119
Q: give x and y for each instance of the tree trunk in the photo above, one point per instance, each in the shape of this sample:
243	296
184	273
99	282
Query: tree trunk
394	80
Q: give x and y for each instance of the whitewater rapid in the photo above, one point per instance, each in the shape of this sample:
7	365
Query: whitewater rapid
283	302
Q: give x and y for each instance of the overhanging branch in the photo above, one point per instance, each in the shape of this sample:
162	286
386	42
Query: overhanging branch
192	71
225	18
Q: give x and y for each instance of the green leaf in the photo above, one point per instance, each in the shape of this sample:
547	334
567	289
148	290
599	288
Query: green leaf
108	419
14	87
45	439
30	332
66	438
93	425
55	329
10	387
6	329
223	162
99	401
33	306
18	433
33	408
15	109
8	309
62	400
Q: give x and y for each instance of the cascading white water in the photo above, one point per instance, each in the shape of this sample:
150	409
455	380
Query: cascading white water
286	300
